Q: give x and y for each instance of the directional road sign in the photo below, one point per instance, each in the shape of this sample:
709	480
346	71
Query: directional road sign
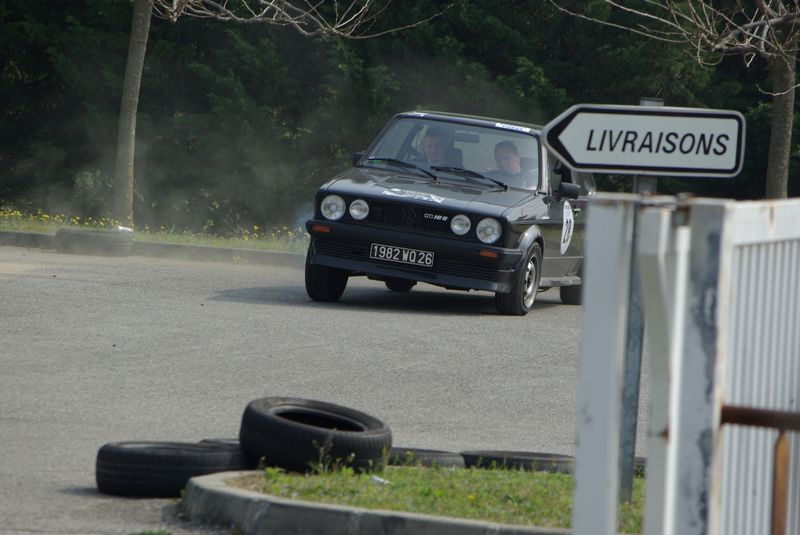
646	140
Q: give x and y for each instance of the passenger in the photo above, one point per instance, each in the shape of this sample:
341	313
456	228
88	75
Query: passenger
510	167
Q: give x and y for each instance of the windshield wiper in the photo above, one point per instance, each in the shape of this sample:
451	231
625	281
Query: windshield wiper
469	173
404	165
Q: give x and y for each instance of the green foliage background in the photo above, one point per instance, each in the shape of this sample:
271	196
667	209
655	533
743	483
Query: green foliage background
239	124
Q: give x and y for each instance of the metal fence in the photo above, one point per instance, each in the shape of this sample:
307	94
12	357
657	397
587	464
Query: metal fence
721	288
761	364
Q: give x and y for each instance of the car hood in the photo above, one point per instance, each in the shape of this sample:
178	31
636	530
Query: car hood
450	192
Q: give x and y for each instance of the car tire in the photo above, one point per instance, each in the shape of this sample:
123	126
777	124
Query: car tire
571	295
303	435
252	462
324	283
524	285
161	469
422	457
519	460
400	285
93	242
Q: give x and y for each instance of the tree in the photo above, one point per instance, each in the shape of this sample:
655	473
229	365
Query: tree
765	29
122	209
355	20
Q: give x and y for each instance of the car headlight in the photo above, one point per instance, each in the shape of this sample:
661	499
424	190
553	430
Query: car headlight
332	207
359	209
488	230
460	224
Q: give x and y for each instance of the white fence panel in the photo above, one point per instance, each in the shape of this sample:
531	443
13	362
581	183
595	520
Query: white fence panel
722	279
605	297
760	367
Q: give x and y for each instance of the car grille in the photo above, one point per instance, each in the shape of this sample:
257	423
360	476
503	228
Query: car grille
445	266
408	216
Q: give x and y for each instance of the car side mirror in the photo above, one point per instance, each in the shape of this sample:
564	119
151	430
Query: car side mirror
569	190
356	157
564	172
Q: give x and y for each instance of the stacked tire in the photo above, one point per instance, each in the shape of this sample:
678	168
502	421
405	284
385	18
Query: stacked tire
304	435
162	469
94	242
295	434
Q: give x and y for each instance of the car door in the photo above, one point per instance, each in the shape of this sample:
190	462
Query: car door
564	228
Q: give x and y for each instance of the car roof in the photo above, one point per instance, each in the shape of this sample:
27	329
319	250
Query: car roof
467	119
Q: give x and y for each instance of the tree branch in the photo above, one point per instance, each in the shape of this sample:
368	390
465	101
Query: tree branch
766	28
311	18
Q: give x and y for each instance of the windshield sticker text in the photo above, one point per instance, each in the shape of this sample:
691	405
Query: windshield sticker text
512	127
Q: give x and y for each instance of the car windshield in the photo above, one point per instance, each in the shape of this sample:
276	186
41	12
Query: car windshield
506	153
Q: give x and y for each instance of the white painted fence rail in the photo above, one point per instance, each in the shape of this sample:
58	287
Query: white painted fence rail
721	289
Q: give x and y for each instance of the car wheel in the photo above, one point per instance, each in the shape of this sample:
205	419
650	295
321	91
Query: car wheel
519	460
571	295
93	242
399	285
422	457
161	469
524	286
303	435
324	283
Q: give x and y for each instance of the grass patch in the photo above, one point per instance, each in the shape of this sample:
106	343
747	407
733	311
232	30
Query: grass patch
506	496
279	238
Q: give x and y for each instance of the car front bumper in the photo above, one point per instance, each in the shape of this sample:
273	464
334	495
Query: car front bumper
457	264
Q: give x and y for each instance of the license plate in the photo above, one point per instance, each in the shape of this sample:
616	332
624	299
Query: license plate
401	254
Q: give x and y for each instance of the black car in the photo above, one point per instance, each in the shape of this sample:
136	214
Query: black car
462	202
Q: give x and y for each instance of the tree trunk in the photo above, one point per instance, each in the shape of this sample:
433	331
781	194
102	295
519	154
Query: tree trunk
784	78
126	130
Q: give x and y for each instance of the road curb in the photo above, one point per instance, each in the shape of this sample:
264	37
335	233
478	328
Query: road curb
218	254
210	500
172	250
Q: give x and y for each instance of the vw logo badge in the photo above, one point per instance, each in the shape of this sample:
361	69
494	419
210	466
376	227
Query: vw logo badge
409	217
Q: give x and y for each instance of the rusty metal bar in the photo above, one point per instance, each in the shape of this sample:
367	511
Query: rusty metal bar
785	421
780	485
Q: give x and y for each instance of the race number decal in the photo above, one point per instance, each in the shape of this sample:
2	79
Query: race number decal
566	229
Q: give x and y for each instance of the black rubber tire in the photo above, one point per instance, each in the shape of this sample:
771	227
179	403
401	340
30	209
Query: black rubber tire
300	435
324	283
252	462
519	460
399	285
422	457
524	283
571	295
228	441
161	469
93	242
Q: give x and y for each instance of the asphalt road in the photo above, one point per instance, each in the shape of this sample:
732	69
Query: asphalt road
95	350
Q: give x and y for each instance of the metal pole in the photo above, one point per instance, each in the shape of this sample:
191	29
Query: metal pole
633	371
633	349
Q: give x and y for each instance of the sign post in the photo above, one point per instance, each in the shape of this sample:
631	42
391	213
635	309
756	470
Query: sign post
645	141
633	351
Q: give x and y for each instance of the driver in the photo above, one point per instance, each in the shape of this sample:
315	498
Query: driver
507	157
434	146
